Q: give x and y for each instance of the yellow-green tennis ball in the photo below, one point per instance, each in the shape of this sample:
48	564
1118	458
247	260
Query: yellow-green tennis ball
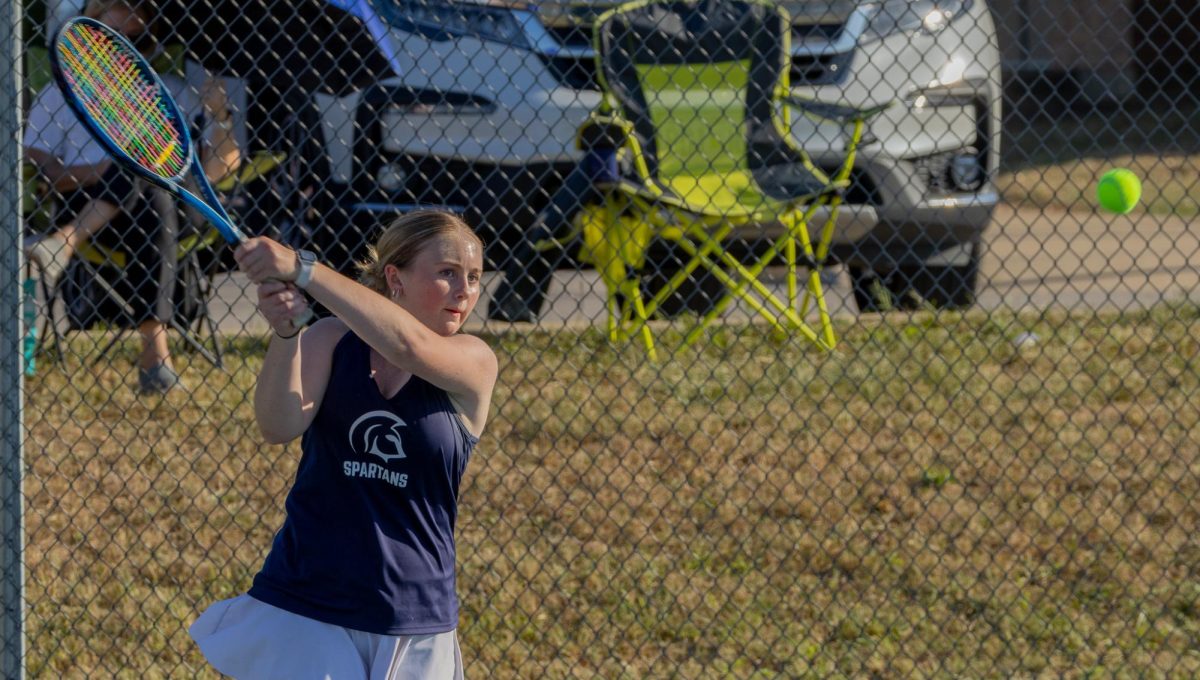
1119	190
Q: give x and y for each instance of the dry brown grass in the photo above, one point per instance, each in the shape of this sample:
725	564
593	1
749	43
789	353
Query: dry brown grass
929	500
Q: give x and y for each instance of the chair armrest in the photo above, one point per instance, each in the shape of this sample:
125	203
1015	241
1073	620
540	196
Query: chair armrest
257	166
835	112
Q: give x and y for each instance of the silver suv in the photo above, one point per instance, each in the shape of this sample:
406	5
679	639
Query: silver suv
474	106
483	114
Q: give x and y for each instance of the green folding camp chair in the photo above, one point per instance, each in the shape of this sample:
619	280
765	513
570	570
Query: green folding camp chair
696	102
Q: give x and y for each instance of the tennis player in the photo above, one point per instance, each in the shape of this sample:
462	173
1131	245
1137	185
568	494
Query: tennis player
390	399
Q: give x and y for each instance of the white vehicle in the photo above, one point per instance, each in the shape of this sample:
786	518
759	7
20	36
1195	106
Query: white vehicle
478	107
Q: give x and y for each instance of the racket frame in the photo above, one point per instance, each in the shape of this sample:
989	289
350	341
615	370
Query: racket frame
209	206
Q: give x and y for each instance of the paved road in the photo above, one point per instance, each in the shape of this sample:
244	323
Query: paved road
1034	259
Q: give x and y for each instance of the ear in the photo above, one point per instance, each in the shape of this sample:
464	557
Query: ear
391	274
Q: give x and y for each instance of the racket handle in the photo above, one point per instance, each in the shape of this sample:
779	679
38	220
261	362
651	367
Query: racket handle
302	318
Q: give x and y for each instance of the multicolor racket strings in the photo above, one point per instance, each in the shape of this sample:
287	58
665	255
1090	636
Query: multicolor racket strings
122	99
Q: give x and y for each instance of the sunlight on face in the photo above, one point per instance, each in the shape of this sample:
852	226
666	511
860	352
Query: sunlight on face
442	284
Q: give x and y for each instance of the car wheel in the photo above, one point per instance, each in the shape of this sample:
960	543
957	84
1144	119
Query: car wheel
943	287
521	292
698	294
911	286
872	292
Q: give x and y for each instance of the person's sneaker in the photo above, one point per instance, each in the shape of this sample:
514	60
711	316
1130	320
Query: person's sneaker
50	255
156	380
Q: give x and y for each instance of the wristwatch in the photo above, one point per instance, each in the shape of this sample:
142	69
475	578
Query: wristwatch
305	260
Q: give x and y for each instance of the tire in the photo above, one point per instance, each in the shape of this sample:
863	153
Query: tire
698	294
910	287
872	293
521	292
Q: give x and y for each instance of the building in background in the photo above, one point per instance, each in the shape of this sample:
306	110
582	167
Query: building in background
1074	54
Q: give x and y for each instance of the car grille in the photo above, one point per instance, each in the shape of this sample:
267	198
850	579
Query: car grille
577	35
578	69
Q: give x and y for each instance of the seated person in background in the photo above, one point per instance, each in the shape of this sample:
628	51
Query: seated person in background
97	194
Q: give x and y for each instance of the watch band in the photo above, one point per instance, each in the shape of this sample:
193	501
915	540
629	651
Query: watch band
305	261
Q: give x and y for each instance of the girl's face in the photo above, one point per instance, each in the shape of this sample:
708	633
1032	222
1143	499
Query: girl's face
442	283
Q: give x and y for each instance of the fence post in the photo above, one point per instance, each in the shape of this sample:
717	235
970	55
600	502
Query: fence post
12	433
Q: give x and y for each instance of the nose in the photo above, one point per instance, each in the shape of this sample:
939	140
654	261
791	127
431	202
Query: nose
462	287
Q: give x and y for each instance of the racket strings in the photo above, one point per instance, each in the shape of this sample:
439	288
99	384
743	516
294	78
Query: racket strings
119	97
141	125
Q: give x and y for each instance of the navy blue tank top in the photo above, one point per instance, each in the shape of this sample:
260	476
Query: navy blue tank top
368	542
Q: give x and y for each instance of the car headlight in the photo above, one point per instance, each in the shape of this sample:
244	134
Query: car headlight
441	20
929	16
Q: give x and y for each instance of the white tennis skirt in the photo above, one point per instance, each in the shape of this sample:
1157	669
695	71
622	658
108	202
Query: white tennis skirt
248	639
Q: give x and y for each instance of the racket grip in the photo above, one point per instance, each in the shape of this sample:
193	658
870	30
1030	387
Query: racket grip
302	318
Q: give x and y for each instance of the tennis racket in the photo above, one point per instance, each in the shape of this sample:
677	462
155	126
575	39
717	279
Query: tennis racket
124	104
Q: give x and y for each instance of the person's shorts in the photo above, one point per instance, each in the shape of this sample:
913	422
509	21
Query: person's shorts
248	639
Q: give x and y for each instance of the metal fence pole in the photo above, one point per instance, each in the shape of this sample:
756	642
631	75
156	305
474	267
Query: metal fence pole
12	526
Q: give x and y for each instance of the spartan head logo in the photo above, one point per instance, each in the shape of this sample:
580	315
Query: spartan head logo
378	433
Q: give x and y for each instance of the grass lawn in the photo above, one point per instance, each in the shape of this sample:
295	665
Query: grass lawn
927	499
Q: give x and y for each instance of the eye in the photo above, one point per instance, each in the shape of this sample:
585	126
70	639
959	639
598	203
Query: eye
473	277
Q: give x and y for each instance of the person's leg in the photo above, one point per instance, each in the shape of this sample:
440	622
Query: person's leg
155	349
53	251
155	371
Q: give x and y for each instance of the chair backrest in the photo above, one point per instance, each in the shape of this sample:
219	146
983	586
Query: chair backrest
699	81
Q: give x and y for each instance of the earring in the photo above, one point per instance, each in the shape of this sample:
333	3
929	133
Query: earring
395	293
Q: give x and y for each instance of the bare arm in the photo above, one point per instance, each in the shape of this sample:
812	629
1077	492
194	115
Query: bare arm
221	156
93	217
462	365
65	178
295	370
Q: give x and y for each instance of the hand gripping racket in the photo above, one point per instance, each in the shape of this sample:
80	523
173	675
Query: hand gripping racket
124	104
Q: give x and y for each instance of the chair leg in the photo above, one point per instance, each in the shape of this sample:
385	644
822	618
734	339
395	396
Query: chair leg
815	288
643	320
120	333
116	297
748	277
49	324
789	252
754	271
604	238
204	320
197	345
218	349
708	246
737	289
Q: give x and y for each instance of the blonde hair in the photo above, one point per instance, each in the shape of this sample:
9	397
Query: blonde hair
404	238
97	7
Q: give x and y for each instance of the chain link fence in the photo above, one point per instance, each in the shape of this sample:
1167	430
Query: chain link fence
945	424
